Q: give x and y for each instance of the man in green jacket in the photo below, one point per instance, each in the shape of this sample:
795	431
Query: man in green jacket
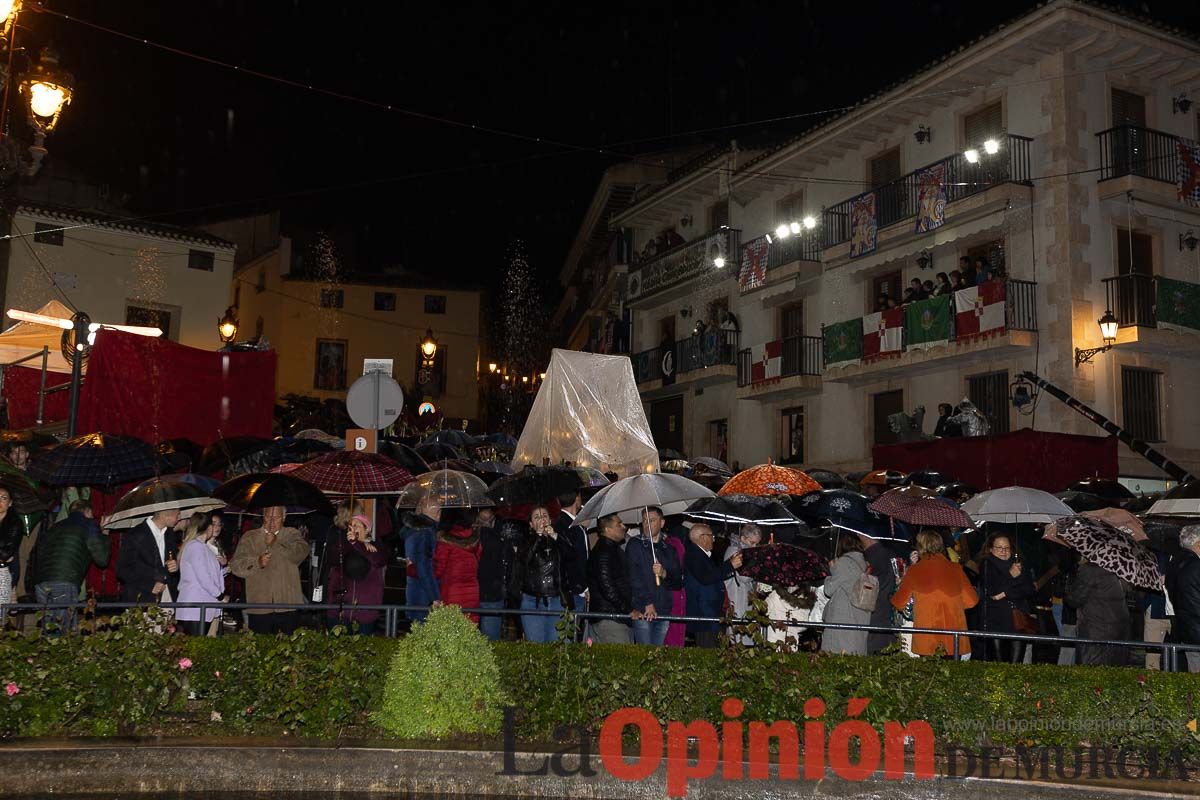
60	560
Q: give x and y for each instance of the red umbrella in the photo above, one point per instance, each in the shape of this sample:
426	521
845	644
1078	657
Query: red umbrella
917	505
354	472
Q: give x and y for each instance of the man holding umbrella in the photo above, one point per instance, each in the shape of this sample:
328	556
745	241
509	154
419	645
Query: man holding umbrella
269	560
146	565
654	571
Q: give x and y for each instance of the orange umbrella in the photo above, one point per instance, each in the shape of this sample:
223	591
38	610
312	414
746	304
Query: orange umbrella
768	479
882	477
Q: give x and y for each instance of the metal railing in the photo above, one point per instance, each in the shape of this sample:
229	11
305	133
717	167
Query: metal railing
1144	152
899	200
1131	298
684	262
647	365
709	349
392	614
800	355
805	247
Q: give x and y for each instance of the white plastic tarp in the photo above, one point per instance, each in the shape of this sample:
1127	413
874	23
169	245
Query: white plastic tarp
28	338
588	412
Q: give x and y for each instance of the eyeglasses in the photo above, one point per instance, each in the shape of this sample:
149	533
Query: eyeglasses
1004	547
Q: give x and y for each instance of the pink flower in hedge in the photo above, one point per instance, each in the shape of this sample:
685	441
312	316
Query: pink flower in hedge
185	663
11	688
217	673
589	642
1141	679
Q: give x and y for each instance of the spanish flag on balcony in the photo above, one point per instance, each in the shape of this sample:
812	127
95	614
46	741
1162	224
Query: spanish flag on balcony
883	333
979	310
768	362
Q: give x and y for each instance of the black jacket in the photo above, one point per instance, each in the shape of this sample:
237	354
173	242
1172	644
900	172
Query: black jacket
542	568
1183	587
12	529
879	559
498	573
1099	598
139	565
608	579
704	583
574	541
994	578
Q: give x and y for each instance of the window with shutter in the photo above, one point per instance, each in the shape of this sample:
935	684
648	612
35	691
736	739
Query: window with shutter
986	123
1140	403
789	209
884	405
1135	252
885	168
1128	109
718	215
989	393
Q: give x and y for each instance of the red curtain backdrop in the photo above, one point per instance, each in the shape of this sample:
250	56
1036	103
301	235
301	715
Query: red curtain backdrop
21	386
156	389
1039	460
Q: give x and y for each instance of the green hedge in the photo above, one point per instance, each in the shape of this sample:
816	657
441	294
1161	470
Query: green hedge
134	680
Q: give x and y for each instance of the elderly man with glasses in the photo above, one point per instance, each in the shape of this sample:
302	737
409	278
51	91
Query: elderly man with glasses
704	583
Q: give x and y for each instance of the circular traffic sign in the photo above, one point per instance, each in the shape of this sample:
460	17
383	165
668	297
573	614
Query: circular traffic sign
374	401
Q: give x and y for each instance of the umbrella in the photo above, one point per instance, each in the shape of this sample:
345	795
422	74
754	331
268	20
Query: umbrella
676	465
456	464
843	509
709	464
94	459
204	483
459	439
501	441
929	478
958	492
405	456
1109	548
740	508
437	452
258	490
667	454
882	477
494	467
158	494
534	484
451	489
178	455
1016	504
286	450
1182	501
354	472
628	496
223	452
1117	517
22	489
334	442
1083	501
1113	490
917	505
770	479
783	565
590	477
827	479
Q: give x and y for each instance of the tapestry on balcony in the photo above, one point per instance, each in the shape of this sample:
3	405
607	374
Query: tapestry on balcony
1177	305
768	362
883	333
979	310
753	273
931	198
863	225
843	342
1188	172
927	322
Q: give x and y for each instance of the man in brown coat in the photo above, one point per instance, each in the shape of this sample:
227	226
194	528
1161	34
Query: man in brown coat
269	559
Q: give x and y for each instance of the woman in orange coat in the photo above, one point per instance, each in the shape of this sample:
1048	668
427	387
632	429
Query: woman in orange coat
941	595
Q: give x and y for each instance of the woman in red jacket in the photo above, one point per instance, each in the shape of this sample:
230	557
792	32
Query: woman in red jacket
456	566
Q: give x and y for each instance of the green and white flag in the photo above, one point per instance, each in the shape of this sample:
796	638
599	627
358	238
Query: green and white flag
843	342
927	322
1177	305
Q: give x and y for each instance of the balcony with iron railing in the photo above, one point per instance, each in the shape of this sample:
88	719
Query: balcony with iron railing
965	340
1130	154
899	200
797	372
701	360
667	275
1155	314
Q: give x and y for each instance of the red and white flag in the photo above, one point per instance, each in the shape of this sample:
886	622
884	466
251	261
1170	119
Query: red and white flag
768	362
883	333
979	310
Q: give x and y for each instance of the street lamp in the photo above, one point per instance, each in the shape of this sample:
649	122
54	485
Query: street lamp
1108	331
492	366
227	326
429	346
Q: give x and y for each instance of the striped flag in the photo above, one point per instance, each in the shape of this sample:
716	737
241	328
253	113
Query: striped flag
883	333
768	364
979	310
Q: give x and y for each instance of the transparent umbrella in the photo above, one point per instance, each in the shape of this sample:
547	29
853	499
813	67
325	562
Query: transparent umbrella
451	488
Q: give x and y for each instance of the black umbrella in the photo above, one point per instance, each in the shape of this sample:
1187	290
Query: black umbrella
152	496
287	450
405	456
438	452
1102	487
223	452
929	478
844	509
667	454
827	479
534	484
740	508
257	491
459	439
1085	501
23	490
94	459
958	492
178	455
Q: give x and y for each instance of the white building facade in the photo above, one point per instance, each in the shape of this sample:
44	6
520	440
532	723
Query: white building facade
1076	193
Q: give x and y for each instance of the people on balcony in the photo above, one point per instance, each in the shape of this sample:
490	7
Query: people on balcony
983	271
928	288
967	268
956	281
943	285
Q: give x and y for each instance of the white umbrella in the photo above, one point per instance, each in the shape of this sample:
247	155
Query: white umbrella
1182	501
627	497
1016	504
451	489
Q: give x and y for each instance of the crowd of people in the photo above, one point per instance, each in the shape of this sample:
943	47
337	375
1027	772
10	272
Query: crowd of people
969	273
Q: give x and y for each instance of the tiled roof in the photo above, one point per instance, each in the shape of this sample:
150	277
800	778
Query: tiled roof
74	216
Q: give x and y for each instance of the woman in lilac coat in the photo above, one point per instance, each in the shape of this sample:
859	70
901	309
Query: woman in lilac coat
201	576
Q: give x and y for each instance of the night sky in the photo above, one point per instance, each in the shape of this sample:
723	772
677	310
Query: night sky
177	134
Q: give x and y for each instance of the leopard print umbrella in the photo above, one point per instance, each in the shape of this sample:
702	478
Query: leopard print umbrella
1109	548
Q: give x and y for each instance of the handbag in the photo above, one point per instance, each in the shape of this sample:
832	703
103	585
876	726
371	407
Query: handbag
865	593
1022	622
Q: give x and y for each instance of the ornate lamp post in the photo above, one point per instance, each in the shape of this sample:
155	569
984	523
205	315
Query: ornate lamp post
227	326
1108	331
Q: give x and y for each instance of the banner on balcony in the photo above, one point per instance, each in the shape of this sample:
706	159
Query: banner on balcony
931	198
1188	176
753	273
1177	305
883	333
979	310
668	355
927	322
862	225
843	342
768	362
